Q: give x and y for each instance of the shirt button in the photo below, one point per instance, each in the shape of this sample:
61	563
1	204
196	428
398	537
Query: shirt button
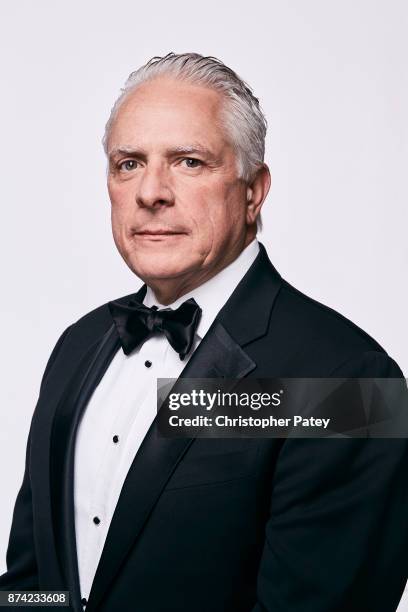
115	439
84	601
96	520
148	363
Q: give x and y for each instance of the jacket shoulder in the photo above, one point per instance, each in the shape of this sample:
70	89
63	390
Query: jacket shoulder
76	339
95	322
326	319
317	332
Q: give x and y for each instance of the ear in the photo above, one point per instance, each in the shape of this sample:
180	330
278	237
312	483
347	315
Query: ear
257	190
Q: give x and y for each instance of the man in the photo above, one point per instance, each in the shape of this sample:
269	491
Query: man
126	519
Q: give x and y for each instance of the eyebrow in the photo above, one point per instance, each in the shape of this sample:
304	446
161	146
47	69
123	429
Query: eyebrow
194	149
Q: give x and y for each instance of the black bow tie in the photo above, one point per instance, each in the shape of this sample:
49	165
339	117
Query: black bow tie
135	322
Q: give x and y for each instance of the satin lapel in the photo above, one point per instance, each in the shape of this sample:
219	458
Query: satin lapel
66	419
218	355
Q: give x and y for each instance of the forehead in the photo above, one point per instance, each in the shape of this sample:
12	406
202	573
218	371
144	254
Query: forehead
167	110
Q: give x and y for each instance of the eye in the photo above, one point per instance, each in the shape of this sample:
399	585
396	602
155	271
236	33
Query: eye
128	165
191	162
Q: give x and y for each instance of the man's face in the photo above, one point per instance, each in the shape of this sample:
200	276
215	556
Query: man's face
179	210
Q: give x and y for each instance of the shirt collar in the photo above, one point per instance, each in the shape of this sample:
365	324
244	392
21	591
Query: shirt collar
212	295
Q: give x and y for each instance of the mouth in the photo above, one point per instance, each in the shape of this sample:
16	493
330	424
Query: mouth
158	234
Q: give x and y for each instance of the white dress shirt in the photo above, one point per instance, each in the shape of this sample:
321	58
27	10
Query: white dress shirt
121	411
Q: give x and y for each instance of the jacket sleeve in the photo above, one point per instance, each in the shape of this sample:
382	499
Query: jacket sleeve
22	573
336	539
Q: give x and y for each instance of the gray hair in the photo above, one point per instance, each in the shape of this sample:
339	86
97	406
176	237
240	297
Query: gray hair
242	115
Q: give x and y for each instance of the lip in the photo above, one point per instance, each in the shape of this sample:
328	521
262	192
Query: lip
158	233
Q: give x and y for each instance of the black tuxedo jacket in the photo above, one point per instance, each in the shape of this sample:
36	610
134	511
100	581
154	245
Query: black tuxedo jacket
223	525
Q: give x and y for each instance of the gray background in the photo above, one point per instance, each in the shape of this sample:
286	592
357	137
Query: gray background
332	80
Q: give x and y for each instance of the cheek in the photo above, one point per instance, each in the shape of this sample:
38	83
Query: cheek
120	195
121	206
114	192
225	211
117	220
119	224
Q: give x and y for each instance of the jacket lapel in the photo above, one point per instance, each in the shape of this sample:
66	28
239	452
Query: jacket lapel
73	401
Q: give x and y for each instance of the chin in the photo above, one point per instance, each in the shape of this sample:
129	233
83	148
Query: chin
157	268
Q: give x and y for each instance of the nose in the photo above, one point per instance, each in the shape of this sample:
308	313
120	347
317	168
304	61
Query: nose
153	190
